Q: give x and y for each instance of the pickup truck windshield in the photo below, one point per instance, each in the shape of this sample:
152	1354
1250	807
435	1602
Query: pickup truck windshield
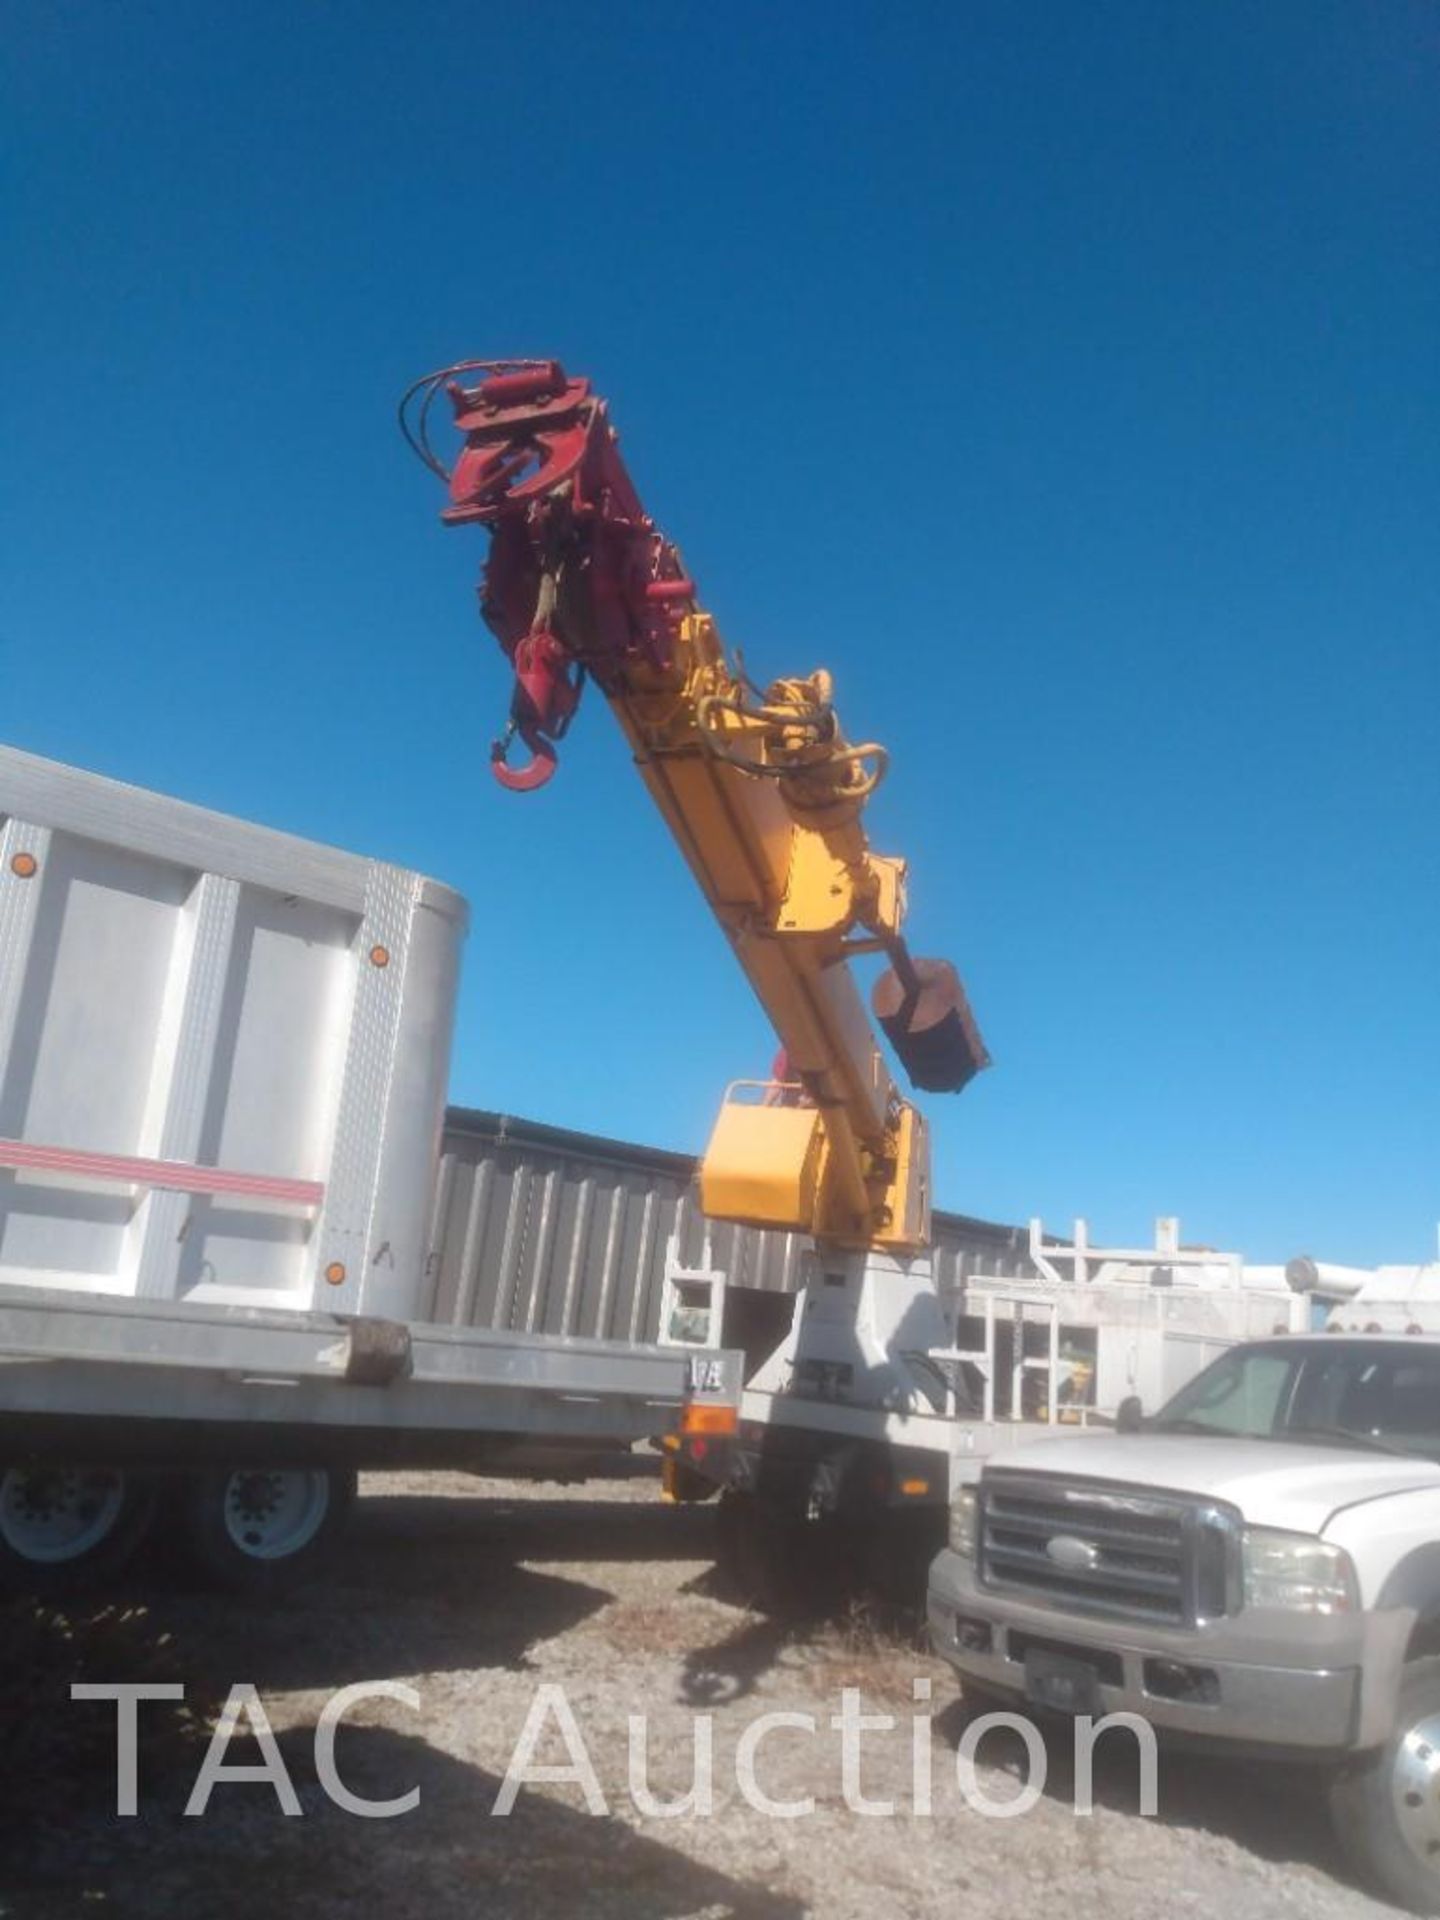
1377	1395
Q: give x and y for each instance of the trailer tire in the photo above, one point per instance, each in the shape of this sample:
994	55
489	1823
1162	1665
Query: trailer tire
259	1530
1386	1805
65	1526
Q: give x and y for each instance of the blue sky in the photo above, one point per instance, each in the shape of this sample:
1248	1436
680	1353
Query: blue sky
1063	377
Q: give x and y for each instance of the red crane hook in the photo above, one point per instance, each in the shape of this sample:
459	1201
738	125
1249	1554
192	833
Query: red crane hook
541	707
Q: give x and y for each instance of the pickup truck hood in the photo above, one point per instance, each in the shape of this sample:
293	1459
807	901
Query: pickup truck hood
1274	1483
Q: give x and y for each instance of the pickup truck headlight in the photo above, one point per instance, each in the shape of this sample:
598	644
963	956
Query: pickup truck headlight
964	1520
1298	1571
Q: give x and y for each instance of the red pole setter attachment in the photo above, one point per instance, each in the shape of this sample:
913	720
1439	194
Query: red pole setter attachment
541	708
540	469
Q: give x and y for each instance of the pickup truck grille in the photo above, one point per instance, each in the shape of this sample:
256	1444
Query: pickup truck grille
1110	1549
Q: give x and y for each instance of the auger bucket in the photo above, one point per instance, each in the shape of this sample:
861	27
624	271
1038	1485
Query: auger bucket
922	1007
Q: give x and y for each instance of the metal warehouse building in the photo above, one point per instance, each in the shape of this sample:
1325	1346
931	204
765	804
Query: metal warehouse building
541	1230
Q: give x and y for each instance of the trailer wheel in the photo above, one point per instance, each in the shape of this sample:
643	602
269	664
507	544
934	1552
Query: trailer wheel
1386	1807
64	1526
258	1530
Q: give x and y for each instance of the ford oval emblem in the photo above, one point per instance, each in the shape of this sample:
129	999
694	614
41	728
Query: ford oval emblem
1075	1556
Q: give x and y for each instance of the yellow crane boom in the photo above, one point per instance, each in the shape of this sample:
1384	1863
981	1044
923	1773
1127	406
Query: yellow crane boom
760	787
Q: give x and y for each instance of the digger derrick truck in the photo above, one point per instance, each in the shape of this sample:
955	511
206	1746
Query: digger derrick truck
765	796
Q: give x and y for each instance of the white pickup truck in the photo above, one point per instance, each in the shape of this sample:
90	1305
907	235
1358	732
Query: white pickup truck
1257	1567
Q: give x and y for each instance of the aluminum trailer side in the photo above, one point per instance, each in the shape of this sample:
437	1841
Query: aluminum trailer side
543	1229
223	1055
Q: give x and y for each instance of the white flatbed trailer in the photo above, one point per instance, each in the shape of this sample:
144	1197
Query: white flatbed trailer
223	1055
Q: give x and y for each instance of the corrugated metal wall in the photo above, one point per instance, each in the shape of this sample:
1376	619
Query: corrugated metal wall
541	1230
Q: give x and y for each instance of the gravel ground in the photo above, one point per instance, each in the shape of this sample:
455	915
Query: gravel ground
476	1593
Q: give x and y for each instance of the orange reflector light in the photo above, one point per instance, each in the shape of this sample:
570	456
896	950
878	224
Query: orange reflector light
913	1487
335	1273
24	866
379	956
700	1418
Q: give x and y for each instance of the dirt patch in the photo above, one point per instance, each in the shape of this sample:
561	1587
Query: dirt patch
877	1654
647	1627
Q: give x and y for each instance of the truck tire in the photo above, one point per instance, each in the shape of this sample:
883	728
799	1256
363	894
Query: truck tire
750	1548
775	1560
64	1527
894	1554
1386	1807
260	1530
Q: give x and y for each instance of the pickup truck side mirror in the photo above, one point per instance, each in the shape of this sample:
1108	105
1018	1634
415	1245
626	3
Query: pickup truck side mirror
1129	1415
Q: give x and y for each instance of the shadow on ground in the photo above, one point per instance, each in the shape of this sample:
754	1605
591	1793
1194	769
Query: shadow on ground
419	1584
574	1528
731	1667
449	1859
1276	1812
